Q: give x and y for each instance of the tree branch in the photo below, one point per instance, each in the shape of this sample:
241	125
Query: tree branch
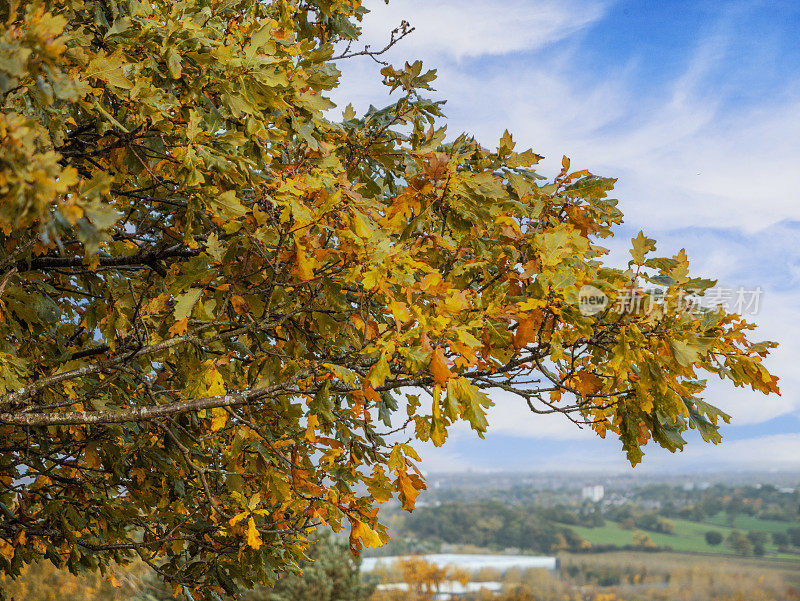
143	414
398	33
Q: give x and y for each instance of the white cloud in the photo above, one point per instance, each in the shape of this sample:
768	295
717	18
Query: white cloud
777	451
468	28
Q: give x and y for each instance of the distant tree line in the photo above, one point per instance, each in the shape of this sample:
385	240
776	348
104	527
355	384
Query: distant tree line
492	525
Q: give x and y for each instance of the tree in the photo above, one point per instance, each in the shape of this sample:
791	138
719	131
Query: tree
713	537
735	506
418	580
758	537
793	534
643	540
740	544
216	302
781	539
332	574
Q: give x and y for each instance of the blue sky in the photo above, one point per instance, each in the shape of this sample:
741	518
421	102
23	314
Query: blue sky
695	107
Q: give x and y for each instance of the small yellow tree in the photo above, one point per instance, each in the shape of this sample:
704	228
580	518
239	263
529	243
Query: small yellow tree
423	580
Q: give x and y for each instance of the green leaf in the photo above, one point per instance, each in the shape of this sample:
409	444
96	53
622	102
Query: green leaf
379	372
228	205
685	353
641	246
473	403
184	303
173	63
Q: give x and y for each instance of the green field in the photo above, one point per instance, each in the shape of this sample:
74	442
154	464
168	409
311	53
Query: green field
689	536
746	522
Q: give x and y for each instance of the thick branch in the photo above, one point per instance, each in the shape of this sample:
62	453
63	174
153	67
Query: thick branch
149	259
143	414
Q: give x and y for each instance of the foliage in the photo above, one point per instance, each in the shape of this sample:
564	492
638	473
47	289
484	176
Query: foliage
636	576
44	582
655	523
714	537
332	574
641	539
213	296
491	525
423	580
740	544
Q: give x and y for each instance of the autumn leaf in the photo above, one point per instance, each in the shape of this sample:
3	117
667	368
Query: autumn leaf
407	489
219	418
587	383
184	303
239	304
641	246
527	328
435	165
304	265
368	536
313	422
253	535
439	367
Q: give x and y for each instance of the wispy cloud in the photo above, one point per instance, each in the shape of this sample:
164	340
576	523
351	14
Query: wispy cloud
471	28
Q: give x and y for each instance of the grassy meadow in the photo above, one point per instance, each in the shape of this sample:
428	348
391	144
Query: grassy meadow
688	536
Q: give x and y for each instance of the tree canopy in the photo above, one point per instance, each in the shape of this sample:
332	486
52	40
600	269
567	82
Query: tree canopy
227	310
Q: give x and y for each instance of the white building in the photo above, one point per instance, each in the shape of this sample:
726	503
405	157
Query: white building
450	590
469	562
594	493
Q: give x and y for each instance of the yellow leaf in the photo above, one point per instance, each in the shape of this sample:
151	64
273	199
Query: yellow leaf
219	418
360	227
214	382
304	264
253	536
368	536
237	518
313	422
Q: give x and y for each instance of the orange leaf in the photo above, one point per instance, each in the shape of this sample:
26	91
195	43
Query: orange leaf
406	485
528	328
179	328
435	165
587	383
439	367
239	304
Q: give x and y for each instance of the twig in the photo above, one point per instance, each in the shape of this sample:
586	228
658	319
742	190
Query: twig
398	33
